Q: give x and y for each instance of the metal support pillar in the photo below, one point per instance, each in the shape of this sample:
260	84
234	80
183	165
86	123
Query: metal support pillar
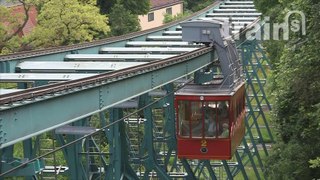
210	169
9	162
6	156
115	159
241	166
255	97
169	124
186	165
72	154
151	162
28	153
253	69
109	134
227	169
119	167
4	66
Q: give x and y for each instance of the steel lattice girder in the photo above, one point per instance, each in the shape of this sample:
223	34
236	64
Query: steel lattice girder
35	116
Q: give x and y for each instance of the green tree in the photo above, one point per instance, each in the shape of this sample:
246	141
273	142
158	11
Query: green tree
123	21
267	6
138	7
169	17
315	162
65	22
11	24
296	86
123	14
196	5
105	5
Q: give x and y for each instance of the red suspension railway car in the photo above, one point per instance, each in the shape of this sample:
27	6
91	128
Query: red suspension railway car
209	121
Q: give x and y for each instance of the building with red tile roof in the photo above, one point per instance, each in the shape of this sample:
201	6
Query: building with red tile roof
157	11
17	8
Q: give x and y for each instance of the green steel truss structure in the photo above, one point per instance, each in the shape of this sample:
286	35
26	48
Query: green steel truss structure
132	140
140	142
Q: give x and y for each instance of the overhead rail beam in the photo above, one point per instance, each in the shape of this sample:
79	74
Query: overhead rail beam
239	2
7	91
143	50
27	77
172	33
232	22
161	44
110	57
50	66
98	43
234	14
164	38
234	10
237	6
233	19
41	106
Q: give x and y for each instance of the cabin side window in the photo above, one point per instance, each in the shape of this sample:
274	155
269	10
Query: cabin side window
238	108
190	118
224	120
183	115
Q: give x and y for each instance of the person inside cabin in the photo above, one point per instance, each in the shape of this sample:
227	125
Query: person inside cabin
192	119
225	131
223	114
210	121
223	110
196	124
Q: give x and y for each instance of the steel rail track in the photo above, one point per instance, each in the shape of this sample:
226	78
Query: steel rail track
11	98
105	78
42	52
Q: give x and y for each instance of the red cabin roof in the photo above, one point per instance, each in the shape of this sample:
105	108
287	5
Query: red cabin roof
215	90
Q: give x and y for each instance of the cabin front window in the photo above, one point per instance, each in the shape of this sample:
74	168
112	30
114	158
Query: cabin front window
199	119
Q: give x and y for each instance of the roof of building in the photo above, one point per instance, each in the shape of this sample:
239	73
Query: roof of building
158	4
17	8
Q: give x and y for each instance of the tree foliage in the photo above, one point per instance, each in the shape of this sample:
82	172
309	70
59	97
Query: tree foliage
11	24
315	162
267	6
124	14
60	22
138	7
65	22
296	86
169	17
123	21
196	5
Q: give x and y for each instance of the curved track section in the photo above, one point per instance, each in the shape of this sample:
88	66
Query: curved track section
147	46
93	77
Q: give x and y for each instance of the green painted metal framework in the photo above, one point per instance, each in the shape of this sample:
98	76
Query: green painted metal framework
145	146
132	142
